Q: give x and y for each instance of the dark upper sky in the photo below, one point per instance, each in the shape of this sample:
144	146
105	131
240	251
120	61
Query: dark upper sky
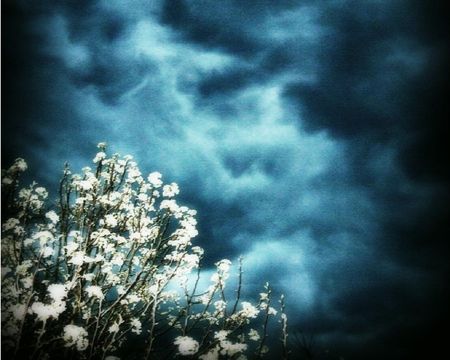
310	135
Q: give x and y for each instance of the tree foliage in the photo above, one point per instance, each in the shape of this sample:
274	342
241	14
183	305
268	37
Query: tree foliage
110	271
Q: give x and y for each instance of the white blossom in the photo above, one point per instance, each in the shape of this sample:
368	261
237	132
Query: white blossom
44	237
99	157
47	251
76	335
41	191
10	224
88	277
133	174
77	258
114	328
27	282
212	354
220	305
71	248
85	185
248	310
186	345
272	311
44	312
170	205
110	220
117	259
57	291
171	190
120	289
136	326
253	335
95	291
23	267
52	216
143	197
221	335
229	349
7	181
19	165
24	193
224	265
133	298
154	178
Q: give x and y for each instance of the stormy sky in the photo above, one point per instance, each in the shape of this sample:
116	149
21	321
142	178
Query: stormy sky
311	136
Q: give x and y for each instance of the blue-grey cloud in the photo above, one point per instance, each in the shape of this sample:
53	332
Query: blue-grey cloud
306	134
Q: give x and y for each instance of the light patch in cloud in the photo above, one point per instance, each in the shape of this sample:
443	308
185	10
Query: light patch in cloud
159	43
287	263
301	23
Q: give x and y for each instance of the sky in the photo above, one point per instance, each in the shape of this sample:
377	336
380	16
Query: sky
311	136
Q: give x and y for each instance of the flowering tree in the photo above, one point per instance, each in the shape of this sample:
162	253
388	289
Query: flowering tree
110	271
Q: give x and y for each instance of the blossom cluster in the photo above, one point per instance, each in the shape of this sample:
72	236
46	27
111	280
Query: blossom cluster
112	260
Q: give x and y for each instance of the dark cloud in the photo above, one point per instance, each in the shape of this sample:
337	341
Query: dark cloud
208	24
21	104
221	83
107	79
370	85
371	95
354	94
108	28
